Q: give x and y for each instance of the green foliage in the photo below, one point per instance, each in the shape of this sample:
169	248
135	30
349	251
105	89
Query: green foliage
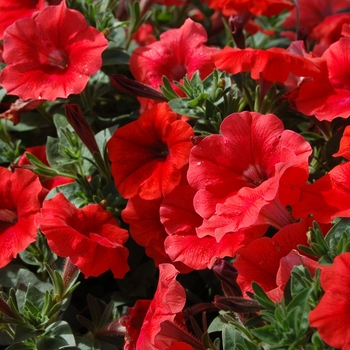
334	243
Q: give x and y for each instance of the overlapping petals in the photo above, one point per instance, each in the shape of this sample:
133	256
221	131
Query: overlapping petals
52	55
269	261
263	63
163	324
90	237
148	154
248	174
183	244
328	95
332	315
21	195
179	52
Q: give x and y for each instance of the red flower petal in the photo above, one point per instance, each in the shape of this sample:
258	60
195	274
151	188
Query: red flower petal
184	245
21	195
51	55
179	52
332	315
148	155
11	11
90	237
264	63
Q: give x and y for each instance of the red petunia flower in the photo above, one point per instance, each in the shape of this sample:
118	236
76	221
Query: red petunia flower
183	244
52	55
332	315
313	12
148	154
263	63
269	261
133	321
248	174
327	96
21	195
344	148
326	198
11	11
256	7
164	325
90	237
179	52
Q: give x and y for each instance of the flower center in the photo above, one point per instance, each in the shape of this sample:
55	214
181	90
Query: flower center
8	216
178	72
254	175
58	59
161	151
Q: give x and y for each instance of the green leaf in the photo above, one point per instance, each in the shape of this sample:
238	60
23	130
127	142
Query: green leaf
22	346
57	336
262	298
25	331
181	106
114	56
233	339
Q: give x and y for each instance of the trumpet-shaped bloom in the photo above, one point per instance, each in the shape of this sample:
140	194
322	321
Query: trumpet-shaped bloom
51	55
332	315
148	154
21	195
328	95
90	237
179	52
248	174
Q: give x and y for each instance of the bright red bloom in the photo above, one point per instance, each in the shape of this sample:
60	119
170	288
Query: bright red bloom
313	12
263	63
144	35
344	148
248	174
328	32
179	52
148	154
21	195
52	55
133	321
164	323
332	315
269	261
40	153
90	237
257	7
328	95
327	198
11	11
183	244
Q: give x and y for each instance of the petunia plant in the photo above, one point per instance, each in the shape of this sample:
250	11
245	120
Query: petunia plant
174	175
